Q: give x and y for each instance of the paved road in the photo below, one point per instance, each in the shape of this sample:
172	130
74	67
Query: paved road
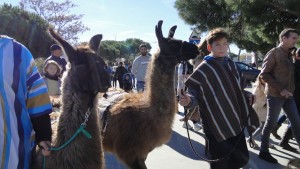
177	153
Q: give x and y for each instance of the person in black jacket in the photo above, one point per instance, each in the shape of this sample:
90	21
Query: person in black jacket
297	78
120	71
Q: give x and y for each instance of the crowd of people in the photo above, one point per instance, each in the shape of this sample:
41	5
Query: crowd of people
210	89
133	75
214	88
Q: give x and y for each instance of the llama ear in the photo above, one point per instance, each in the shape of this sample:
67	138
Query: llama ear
95	42
172	31
68	48
158	31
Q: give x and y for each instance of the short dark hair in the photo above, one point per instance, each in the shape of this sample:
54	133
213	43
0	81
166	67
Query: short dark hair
203	48
55	47
286	33
143	45
216	34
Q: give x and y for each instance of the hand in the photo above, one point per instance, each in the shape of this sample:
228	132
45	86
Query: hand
45	146
184	119
184	99
285	93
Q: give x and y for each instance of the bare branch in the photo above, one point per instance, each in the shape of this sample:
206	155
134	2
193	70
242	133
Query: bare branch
58	15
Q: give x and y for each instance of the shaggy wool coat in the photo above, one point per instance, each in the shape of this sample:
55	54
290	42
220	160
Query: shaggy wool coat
260	105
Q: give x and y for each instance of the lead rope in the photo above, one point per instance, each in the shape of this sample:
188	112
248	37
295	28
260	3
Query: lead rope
79	130
205	159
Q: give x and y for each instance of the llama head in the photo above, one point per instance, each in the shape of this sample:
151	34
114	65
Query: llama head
87	69
174	47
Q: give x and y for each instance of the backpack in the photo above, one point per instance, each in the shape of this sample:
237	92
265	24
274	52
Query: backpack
127	81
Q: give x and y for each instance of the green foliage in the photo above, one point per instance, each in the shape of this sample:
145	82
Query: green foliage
254	24
39	64
27	28
128	49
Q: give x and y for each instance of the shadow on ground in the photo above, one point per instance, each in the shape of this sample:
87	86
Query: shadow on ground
182	145
178	143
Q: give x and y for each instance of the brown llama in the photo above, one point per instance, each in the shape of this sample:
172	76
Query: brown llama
138	123
84	79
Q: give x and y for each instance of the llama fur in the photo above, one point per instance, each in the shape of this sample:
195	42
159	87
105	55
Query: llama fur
80	85
140	122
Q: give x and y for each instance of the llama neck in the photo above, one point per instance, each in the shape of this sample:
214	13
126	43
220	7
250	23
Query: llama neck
76	102
161	82
74	107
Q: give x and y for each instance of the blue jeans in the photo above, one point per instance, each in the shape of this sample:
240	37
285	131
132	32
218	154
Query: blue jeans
274	106
140	86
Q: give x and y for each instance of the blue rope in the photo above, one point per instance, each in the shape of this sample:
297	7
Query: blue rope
79	130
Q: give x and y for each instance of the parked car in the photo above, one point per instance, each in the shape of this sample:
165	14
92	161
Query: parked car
249	73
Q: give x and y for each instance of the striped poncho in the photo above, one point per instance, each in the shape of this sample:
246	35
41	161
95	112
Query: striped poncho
23	96
223	106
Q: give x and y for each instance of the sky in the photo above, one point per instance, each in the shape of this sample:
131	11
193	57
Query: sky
122	19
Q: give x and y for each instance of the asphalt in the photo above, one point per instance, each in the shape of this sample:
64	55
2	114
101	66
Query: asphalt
178	154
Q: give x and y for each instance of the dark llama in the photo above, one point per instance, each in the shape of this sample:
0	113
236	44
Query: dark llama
84	79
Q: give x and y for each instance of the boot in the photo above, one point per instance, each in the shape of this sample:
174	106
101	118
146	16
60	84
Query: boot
274	132
267	157
285	140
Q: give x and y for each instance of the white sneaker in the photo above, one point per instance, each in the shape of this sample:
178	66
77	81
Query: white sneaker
187	126
197	127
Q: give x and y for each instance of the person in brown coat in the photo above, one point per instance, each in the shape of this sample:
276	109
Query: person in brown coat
278	73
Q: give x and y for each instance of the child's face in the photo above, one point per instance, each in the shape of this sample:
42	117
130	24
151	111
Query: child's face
219	47
51	69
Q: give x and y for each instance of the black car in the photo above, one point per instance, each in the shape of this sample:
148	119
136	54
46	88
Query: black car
249	73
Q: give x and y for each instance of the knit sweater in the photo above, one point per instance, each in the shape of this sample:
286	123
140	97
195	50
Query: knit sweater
260	105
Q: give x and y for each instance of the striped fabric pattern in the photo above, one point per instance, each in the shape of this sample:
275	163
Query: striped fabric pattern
222	104
23	96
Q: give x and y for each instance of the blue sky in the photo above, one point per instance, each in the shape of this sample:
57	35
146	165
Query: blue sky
123	19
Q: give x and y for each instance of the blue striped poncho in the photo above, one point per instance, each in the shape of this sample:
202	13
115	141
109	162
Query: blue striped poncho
23	96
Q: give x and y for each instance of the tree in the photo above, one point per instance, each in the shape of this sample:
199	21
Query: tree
57	14
254	25
28	28
112	50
